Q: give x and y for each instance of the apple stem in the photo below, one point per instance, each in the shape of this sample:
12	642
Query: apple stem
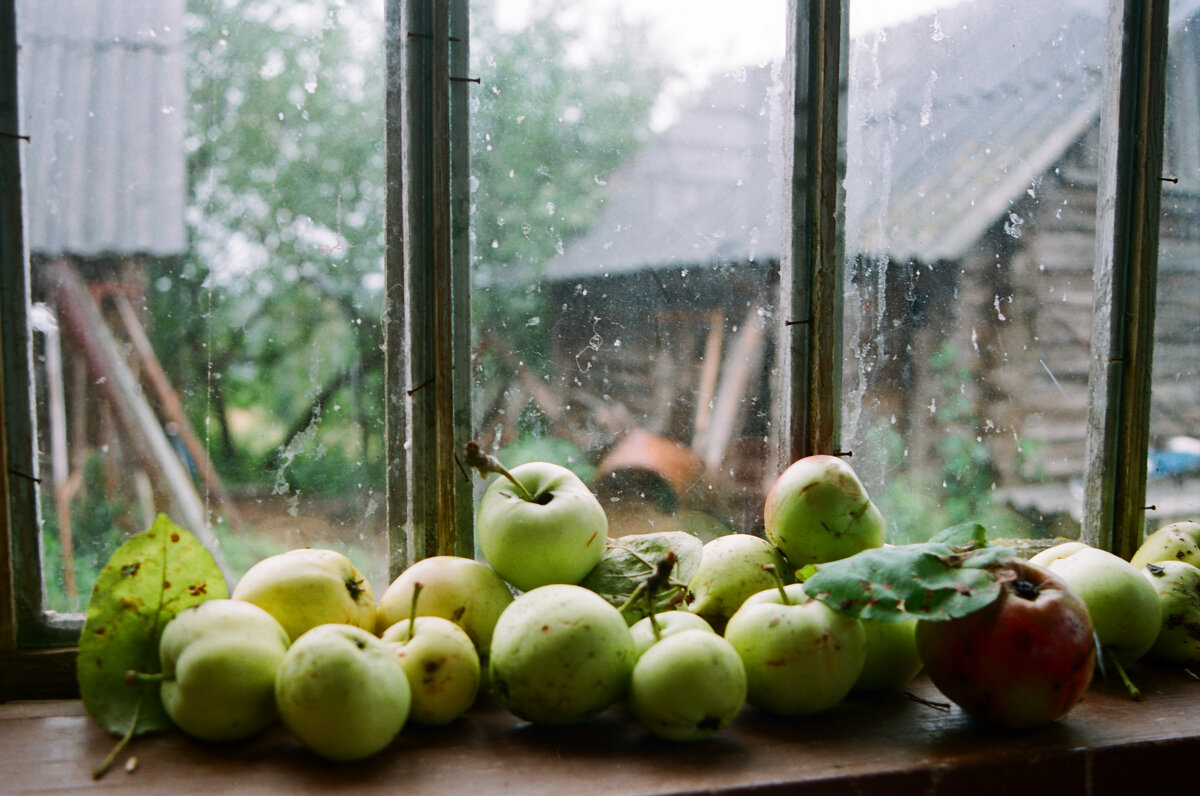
660	577
488	464
654	626
783	595
1134	691
133	677
650	586
412	611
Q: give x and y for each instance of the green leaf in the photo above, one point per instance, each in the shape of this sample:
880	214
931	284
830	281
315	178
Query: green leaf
631	559
149	579
942	579
966	535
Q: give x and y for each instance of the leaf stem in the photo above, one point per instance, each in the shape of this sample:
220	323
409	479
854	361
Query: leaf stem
103	768
488	464
1134	691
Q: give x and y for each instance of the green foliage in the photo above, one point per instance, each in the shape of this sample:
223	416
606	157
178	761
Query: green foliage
286	190
99	524
532	448
944	578
276	309
556	116
630	560
960	490
148	580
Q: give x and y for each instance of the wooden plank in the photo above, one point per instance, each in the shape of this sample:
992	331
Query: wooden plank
20	583
395	310
743	362
812	262
173	408
116	382
437	493
1127	229
38	673
881	744
709	370
461	86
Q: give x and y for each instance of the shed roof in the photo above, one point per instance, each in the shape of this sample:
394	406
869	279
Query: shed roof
954	117
103	101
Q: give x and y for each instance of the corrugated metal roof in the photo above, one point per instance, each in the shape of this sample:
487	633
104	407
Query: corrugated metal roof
103	101
953	118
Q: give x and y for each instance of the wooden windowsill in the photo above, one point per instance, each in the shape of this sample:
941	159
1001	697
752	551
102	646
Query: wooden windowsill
884	744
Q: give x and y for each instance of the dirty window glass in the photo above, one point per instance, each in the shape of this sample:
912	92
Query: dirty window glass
204	189
970	226
1174	458
625	236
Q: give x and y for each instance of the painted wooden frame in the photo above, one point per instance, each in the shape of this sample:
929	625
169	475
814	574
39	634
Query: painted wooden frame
427	329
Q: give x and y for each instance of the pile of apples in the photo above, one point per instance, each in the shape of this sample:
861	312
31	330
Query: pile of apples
303	639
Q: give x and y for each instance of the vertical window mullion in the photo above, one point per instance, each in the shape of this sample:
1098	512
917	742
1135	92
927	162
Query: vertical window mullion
1131	136
811	266
428	492
24	622
461	86
395	309
16	479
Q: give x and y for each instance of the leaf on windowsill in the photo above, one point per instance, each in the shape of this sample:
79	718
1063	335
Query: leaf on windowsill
629	560
949	576
150	578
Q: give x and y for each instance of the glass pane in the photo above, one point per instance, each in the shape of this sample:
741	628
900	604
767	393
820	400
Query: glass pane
205	194
625	240
970	205
1174	466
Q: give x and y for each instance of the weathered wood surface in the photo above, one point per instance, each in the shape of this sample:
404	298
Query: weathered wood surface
887	744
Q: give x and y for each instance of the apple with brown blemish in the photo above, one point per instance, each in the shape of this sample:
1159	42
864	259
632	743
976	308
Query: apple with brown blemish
1023	660
818	510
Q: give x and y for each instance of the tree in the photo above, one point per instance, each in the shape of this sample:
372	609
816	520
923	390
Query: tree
561	106
275	313
286	190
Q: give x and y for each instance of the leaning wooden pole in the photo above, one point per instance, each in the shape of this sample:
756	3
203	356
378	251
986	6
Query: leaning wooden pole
173	408
81	318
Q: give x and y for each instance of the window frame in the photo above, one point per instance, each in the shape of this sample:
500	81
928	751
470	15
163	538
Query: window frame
427	328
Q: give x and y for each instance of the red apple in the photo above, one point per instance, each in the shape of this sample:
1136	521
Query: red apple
1024	660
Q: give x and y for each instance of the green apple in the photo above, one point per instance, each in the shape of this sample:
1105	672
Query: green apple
219	660
550	529
1178	541
463	590
669	623
442	667
560	654
732	568
688	686
307	587
1121	603
892	657
1177	584
801	657
342	691
818	511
